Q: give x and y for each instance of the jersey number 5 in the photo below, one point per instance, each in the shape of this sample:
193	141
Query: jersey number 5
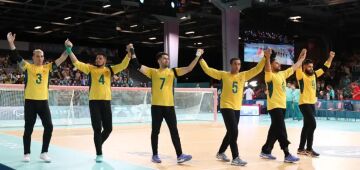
235	87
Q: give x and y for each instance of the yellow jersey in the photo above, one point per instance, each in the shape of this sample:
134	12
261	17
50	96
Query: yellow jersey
276	85
37	81
232	84
307	85
162	87
100	78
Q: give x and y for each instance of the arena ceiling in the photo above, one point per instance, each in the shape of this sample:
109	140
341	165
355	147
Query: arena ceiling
94	21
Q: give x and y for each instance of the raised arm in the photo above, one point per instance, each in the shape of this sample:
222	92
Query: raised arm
61	59
85	68
326	66
68	46
255	70
215	74
302	57
268	71
135	63
14	54
125	62
184	70
299	72
267	54
122	66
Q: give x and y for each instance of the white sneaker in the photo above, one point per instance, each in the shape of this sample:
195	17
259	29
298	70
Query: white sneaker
44	156
27	158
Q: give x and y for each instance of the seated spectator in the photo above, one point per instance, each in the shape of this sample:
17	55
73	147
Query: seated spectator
330	95
355	91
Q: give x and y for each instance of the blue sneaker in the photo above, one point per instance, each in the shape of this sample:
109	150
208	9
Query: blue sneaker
183	158
99	158
291	159
267	156
156	159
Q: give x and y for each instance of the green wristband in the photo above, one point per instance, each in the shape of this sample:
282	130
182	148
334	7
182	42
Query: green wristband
68	50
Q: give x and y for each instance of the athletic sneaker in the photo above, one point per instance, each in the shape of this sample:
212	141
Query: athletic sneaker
99	158
27	158
291	159
44	156
183	158
238	162
156	159
312	153
301	152
223	157
267	156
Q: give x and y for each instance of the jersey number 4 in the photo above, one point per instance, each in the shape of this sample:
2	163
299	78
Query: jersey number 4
101	79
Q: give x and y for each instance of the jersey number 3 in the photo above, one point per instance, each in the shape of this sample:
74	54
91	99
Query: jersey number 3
39	78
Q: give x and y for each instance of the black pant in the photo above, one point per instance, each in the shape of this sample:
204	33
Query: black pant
101	118
158	113
32	109
231	118
277	131
307	133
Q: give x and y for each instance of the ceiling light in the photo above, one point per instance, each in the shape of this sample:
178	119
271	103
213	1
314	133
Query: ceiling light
294	17
106	6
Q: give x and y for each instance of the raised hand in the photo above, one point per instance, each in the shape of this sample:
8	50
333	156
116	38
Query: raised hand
302	55
11	37
130	50
267	53
68	43
332	54
199	52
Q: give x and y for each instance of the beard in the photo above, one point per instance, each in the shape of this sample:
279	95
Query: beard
98	65
277	69
309	72
165	65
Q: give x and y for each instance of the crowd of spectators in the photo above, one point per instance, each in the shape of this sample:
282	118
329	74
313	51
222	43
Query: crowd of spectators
66	75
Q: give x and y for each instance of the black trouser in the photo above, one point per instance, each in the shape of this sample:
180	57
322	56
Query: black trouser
158	113
32	109
277	131
307	133
231	118
101	121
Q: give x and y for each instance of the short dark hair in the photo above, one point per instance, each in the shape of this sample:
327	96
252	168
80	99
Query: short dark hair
101	53
308	61
272	56
234	59
160	54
